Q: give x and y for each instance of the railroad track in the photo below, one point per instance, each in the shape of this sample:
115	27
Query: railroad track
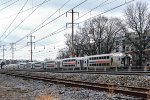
143	93
85	72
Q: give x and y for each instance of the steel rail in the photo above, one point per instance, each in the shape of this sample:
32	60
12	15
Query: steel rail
141	92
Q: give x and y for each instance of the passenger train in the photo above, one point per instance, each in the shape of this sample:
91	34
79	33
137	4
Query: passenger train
94	61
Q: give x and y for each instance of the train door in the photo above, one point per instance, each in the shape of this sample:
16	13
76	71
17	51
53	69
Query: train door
85	62
78	62
127	60
81	64
58	65
61	64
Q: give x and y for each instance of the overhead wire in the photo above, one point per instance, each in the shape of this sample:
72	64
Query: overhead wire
50	21
9	5
104	12
14	19
61	29
24	10
24	19
64	27
5	2
52	14
84	20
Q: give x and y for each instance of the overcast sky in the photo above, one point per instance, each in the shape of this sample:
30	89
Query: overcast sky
14	25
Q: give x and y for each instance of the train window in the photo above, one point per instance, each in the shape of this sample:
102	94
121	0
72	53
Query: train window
107	57
85	62
104	57
78	62
119	59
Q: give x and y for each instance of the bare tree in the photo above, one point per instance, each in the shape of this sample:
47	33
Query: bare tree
113	30
97	36
138	21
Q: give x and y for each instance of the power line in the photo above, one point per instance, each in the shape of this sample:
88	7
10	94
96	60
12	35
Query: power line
100	14
24	10
5	2
52	15
9	5
14	19
101	4
57	31
24	20
62	28
50	21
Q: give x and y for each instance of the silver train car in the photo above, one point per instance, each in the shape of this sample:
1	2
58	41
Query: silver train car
94	61
108	60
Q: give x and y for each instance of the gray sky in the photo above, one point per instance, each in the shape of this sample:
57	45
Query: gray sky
11	31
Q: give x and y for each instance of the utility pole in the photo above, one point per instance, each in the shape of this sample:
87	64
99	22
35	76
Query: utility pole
12	49
31	44
72	23
3	51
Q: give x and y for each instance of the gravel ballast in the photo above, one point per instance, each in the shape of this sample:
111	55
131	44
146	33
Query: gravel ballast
15	88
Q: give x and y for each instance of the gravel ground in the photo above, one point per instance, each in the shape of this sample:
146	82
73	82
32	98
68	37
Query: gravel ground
14	88
125	80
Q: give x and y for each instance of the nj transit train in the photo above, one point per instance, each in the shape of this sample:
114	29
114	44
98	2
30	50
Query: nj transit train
94	61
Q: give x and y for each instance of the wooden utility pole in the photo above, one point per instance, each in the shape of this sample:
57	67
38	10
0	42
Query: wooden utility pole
31	45
72	23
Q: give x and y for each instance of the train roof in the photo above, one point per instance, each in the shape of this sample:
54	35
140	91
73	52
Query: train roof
73	58
111	54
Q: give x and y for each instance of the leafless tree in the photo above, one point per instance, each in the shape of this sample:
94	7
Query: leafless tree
96	36
137	19
113	30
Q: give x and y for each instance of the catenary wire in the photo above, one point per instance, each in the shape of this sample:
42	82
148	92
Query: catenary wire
14	19
24	20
